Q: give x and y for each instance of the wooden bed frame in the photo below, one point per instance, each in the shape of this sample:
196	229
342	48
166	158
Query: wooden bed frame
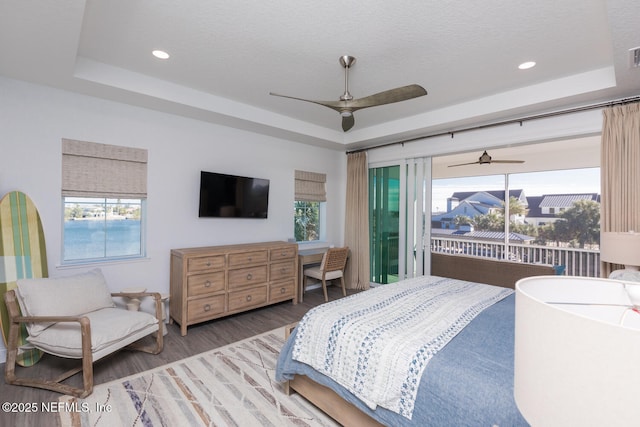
326	399
494	272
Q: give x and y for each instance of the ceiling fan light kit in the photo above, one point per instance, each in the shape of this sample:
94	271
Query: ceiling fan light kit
347	104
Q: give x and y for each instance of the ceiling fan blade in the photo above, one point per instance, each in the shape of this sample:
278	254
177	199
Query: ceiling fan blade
390	96
334	105
464	164
507	161
347	122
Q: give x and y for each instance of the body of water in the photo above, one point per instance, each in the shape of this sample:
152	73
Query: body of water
87	239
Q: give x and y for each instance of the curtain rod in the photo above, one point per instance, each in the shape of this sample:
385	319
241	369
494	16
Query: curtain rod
506	122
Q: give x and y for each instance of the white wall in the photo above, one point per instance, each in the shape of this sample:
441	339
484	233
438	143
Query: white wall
34	119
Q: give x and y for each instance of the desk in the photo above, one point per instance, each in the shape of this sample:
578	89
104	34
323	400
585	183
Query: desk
307	257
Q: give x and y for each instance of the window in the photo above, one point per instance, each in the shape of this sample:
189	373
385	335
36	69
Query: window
307	221
553	217
104	200
96	229
310	195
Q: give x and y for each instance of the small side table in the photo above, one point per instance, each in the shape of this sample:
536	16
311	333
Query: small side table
133	304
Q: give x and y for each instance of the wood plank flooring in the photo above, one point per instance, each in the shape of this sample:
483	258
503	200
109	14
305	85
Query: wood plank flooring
199	338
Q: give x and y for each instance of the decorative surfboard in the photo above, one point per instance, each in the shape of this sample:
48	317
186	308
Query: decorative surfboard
22	256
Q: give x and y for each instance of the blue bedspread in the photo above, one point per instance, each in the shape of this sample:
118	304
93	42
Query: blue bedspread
468	383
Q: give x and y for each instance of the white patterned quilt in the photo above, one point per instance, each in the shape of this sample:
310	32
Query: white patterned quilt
377	343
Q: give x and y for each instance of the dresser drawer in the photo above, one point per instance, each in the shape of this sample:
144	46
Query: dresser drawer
239	300
202	284
282	270
247	276
210	263
205	308
244	258
282	290
283	253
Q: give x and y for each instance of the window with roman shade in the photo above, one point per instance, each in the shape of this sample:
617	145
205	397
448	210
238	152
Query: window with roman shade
310	186
104	191
90	169
310	195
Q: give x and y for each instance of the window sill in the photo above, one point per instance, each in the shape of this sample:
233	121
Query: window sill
91	264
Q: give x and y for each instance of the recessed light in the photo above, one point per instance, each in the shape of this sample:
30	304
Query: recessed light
160	54
527	65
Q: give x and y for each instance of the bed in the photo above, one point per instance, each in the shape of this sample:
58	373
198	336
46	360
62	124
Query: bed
456	371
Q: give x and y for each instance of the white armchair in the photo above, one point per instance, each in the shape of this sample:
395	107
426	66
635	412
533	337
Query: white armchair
76	317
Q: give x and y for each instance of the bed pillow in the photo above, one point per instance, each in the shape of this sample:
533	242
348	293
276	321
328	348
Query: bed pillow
63	296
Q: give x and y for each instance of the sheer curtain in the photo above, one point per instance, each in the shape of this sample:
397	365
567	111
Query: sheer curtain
357	221
620	172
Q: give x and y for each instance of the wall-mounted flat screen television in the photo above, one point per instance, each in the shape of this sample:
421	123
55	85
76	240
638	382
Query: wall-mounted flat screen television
231	196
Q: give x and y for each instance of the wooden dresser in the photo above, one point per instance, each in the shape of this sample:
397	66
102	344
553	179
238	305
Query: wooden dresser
216	281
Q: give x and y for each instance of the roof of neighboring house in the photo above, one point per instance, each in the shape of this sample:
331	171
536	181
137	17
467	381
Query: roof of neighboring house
534	209
565	200
480	235
459	210
499	194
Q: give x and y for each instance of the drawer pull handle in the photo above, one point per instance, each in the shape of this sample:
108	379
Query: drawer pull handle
283	269
284	254
283	290
208	263
207	307
249	259
207	284
248	298
249	276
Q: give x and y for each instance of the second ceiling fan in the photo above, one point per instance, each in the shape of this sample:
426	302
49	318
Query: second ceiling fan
486	159
347	105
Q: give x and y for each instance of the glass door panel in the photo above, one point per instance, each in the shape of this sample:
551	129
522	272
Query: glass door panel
384	223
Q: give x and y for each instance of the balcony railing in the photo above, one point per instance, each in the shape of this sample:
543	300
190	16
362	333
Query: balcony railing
576	262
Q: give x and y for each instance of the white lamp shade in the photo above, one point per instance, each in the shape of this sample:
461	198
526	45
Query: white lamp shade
576	364
620	248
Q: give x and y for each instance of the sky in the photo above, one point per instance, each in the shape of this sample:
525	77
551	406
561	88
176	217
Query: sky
533	184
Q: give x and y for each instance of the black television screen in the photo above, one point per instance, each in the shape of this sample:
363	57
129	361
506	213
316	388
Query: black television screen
233	196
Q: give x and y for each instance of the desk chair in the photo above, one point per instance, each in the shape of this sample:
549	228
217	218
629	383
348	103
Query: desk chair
332	267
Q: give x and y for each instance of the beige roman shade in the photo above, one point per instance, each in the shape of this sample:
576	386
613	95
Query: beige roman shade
310	187
90	169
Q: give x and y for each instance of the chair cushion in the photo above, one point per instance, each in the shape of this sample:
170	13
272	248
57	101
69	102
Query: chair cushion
316	273
111	328
63	296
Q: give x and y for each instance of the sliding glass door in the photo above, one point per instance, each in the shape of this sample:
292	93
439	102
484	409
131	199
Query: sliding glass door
399	220
384	223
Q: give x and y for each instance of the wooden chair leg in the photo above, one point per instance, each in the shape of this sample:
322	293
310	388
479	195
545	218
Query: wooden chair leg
304	288
12	353
324	288
344	288
55	384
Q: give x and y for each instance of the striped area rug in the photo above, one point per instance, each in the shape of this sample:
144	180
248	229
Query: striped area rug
232	385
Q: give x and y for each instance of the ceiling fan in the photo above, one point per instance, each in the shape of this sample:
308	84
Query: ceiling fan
485	159
347	104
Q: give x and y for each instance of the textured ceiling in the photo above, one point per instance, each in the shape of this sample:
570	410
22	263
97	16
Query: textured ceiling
226	56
